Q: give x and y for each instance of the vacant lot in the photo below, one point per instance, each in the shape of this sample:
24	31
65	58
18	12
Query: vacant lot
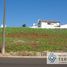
27	39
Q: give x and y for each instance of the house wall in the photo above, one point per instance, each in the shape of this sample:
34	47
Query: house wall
46	25
56	24
43	25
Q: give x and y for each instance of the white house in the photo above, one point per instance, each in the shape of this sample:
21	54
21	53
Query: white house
46	24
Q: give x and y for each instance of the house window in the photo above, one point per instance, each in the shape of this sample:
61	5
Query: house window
48	23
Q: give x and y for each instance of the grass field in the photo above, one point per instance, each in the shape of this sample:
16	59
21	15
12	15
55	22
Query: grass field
28	39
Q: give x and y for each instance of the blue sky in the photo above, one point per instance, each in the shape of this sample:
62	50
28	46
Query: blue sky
27	12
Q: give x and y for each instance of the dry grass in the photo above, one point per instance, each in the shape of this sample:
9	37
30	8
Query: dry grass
27	39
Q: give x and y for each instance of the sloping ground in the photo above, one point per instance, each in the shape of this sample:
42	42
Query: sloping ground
28	39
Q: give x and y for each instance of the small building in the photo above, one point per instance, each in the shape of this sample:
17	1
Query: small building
47	24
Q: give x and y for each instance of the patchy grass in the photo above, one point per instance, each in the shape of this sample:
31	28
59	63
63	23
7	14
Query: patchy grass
28	39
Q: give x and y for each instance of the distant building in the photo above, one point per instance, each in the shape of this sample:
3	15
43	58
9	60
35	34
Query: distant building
46	24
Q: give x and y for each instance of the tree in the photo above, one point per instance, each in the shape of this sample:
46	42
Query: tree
24	25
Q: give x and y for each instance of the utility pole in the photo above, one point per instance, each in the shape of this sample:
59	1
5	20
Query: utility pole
4	24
